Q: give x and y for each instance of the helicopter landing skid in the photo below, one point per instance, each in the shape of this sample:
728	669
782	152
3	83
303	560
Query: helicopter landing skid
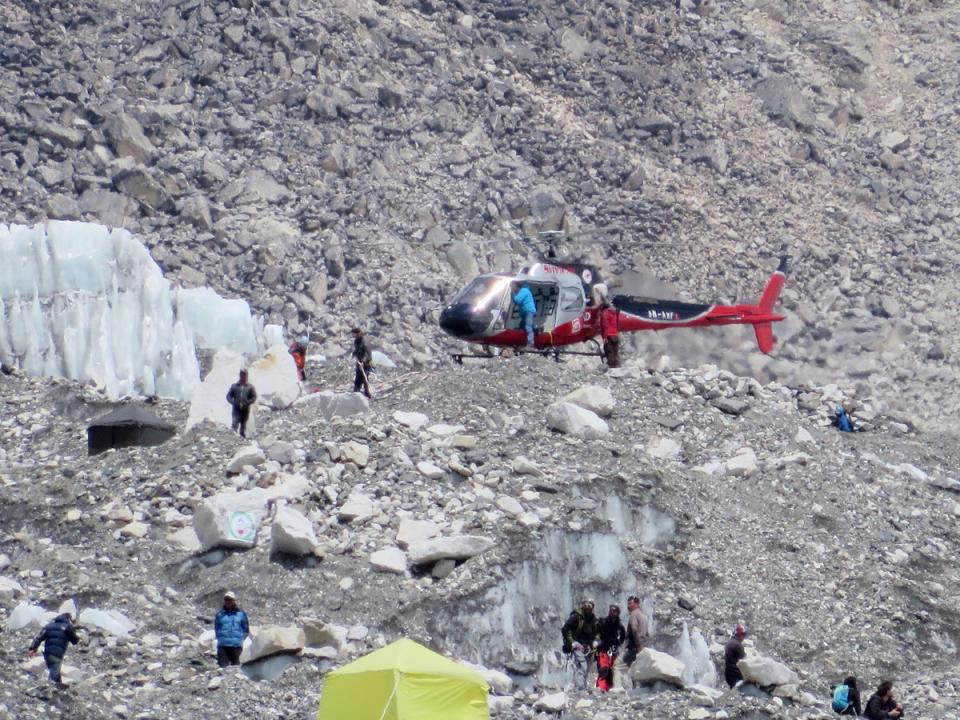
545	352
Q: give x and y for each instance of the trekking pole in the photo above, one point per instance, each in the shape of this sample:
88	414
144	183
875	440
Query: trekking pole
366	382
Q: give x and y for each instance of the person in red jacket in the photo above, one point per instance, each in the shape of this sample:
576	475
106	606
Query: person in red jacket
610	332
298	350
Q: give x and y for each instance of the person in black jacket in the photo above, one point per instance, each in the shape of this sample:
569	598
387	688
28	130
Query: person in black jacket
55	637
612	636
733	653
580	639
241	396
363	362
881	705
853	697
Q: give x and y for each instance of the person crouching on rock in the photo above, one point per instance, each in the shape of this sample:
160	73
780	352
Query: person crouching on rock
241	396
55	638
882	706
232	627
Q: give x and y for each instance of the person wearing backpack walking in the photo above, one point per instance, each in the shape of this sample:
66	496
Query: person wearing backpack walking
846	697
581	636
733	653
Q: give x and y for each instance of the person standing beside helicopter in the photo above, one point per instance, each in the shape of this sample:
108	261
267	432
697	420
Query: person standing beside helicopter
527	308
609	324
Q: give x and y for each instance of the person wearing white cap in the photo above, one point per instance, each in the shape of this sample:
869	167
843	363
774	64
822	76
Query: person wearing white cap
232	627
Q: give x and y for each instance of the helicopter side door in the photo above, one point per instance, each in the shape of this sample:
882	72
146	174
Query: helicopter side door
546	296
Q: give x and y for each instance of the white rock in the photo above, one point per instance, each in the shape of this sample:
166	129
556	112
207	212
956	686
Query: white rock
113	621
445	430
411	531
9	587
357	633
523	466
572	419
330	404
455	547
594	398
500	683
509	505
743	464
704	694
69	607
185	539
230	519
291	533
215	682
382	360
273	639
391	560
803	436
290	487
356	453
282	452
529	519
652	665
765	671
412	420
357	507
135	529
555	702
248	455
430	471
275	378
664	448
698	714
26	614
320	634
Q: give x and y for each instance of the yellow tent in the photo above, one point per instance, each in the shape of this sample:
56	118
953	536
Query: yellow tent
404	681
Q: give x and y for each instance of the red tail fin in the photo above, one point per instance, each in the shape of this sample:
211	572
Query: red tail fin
764	330
764	333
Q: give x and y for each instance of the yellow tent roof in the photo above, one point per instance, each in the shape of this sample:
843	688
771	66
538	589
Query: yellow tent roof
404	681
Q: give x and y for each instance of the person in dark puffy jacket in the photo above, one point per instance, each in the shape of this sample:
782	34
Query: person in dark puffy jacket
733	653
55	637
241	396
232	627
882	706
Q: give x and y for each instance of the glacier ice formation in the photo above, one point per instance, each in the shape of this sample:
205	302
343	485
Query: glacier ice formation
82	301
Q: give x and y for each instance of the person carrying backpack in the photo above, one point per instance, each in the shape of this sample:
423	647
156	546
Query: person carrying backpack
581	636
55	638
841	420
846	697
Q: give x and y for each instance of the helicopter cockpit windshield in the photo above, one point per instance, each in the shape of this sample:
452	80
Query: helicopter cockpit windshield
483	292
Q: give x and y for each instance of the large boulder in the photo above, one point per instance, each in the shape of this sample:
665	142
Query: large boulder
389	560
331	404
275	378
454	547
572	419
652	666
413	531
320	634
594	398
765	671
412	420
291	533
231	519
273	639
111	621
208	399
249	455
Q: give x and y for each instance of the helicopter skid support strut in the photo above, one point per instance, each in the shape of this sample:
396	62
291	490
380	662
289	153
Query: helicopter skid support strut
545	352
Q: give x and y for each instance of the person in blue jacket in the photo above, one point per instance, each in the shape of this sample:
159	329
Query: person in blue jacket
232	627
527	308
55	636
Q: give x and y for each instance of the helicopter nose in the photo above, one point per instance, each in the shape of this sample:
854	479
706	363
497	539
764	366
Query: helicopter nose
460	321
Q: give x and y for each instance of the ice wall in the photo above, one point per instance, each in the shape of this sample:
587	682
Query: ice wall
82	301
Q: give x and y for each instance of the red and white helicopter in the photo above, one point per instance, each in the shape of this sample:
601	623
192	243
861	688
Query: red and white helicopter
567	312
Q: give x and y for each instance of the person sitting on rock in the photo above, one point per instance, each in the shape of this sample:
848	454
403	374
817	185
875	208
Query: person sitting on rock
241	396
612	636
55	637
881	705
846	697
733	653
580	639
231	627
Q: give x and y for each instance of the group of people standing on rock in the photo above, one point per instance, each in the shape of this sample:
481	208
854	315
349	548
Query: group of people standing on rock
242	395
587	637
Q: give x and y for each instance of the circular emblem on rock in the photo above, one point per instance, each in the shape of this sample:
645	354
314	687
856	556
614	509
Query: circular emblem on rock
587	276
243	526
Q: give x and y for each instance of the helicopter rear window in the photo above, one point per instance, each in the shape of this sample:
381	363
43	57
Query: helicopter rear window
481	291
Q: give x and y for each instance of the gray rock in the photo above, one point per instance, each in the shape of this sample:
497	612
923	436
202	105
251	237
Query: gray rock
68	137
127	138
783	100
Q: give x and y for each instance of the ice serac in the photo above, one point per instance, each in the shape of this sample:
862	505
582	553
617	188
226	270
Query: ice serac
82	301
